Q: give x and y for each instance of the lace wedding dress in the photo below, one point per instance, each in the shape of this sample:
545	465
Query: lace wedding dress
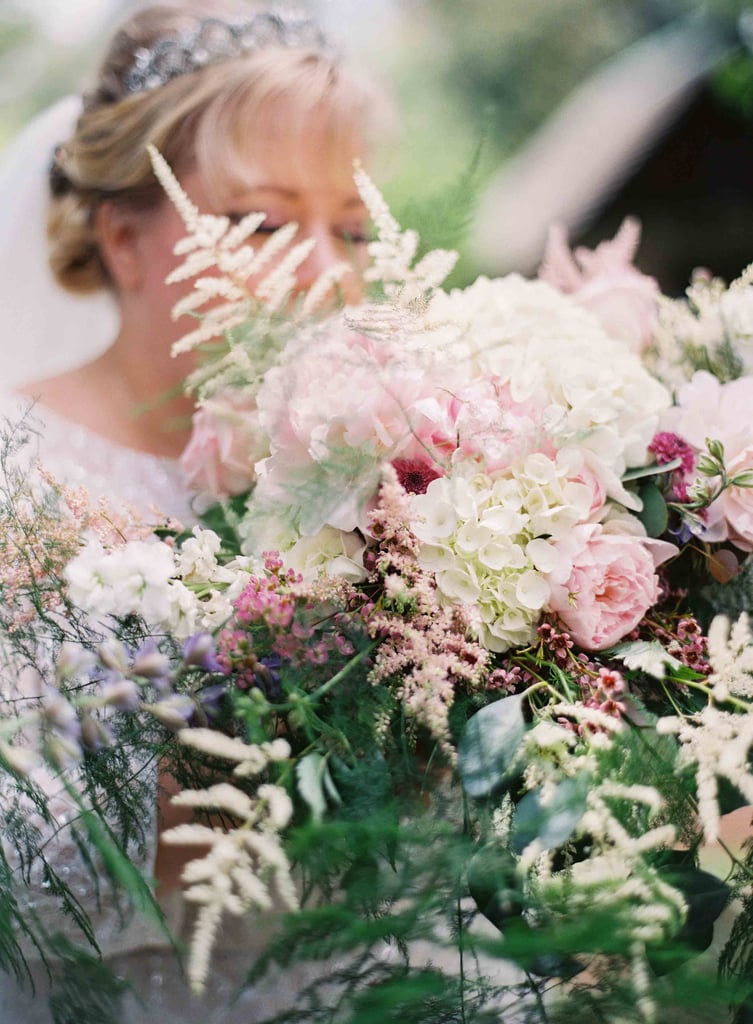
139	952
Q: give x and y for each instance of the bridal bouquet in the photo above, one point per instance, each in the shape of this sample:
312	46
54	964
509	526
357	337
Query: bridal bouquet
438	672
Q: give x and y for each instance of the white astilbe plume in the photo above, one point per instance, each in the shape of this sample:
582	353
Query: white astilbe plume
731	654
318	293
616	876
242	868
214	243
251	759
717	743
394	250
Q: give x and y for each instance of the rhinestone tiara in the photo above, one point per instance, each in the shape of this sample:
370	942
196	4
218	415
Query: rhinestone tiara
215	40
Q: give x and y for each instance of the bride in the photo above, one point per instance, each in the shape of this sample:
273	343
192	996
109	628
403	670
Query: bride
254	112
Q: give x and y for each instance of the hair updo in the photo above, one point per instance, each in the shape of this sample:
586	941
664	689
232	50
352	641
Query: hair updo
202	119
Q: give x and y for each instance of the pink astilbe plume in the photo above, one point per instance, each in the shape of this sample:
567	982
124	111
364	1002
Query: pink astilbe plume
425	651
604	281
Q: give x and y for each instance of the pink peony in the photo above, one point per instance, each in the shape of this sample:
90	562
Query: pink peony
226	442
611	586
605	282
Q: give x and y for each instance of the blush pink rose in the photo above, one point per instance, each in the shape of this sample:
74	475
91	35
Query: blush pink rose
611	586
226	442
605	282
736	503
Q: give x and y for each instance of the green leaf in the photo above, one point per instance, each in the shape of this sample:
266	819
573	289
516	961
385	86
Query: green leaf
315	783
489	744
706	896
493	885
119	867
647	656
654	470
553	822
654	514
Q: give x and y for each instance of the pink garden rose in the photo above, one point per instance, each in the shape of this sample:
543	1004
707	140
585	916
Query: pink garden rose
605	282
736	503
612	585
708	408
226	442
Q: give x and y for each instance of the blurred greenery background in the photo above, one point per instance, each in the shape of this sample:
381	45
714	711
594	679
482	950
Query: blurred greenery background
472	79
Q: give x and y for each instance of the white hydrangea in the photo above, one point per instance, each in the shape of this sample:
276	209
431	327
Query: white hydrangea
492	543
542	343
736	311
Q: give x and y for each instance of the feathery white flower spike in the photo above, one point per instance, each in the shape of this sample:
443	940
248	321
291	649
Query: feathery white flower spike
394	251
243	865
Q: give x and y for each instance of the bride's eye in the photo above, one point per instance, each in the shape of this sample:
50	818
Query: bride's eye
354	236
267	227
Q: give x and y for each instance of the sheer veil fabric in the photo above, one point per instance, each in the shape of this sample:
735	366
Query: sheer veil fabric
44	330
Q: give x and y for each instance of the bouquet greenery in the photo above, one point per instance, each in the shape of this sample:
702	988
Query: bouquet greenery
436	671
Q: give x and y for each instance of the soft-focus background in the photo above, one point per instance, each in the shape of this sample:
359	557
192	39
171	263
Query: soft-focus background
514	113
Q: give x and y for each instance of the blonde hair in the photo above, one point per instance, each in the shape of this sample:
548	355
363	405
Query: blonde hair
206	119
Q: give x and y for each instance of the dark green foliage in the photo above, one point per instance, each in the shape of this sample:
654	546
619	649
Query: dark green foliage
84	991
489	745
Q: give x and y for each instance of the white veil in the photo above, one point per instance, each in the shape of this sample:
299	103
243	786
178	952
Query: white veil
44	329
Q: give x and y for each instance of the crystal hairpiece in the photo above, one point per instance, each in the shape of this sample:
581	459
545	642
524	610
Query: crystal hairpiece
214	41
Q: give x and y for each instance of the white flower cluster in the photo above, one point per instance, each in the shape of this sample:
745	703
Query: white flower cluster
215	244
492	543
184	590
394	251
731	654
244	866
712	322
615	875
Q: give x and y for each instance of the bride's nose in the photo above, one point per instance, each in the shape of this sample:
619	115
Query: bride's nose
327	251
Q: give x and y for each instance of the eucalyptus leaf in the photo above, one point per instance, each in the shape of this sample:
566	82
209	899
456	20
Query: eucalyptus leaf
705	896
553	821
489	744
652	470
653	515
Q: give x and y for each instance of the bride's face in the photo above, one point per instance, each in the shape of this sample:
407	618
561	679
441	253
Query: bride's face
302	185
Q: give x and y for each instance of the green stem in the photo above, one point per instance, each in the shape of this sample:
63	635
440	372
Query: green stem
344	671
462	959
740	704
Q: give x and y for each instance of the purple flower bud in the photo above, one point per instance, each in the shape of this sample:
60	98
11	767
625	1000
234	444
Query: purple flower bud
72	661
58	713
150	662
121	693
199	650
112	655
95	735
174	711
63	752
211	697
